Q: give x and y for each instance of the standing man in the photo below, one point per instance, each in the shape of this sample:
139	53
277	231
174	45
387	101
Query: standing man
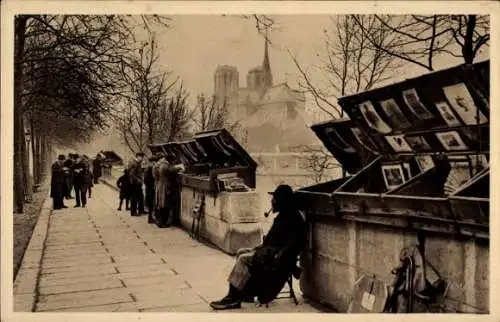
136	181
96	168
149	182
173	191
58	183
160	172
80	176
68	175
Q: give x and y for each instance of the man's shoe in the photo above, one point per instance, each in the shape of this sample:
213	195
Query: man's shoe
83	206
64	207
226	303
77	206
120	208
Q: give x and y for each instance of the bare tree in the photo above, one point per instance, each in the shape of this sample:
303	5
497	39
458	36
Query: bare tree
175	117
350	63
210	113
318	162
148	87
87	49
419	40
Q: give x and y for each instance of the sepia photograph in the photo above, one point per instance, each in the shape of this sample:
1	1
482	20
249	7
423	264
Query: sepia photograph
451	141
398	143
418	142
412	100
391	109
161	158
425	162
447	114
393	175
373	119
459	97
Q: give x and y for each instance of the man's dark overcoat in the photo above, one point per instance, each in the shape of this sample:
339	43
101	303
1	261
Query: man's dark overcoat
274	259
57	182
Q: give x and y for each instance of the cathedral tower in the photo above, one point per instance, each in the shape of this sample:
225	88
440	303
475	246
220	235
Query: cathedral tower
266	65
226	82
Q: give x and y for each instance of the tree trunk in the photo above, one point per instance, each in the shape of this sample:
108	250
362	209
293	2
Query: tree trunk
19	144
34	144
467	49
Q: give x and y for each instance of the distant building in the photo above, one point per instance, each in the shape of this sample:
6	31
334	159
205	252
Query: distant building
272	115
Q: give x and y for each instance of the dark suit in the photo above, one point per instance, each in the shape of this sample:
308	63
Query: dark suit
80	183
57	185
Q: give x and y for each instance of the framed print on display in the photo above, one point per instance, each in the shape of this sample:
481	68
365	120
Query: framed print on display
413	102
424	162
393	175
398	143
373	119
451	141
363	140
460	99
447	114
393	112
407	171
418	142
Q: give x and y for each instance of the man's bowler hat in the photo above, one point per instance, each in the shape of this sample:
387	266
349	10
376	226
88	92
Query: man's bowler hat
282	191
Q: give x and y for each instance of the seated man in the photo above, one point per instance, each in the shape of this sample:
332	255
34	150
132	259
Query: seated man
263	271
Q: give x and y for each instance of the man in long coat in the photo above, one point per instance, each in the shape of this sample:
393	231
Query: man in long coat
136	180
160	173
58	183
173	191
263	271
97	168
149	183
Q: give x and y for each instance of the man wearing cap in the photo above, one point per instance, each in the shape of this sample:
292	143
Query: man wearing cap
58	183
264	270
136	180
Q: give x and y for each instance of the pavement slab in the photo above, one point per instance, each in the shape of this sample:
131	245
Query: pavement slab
98	259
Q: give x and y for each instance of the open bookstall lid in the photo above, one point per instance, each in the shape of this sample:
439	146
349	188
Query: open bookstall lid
442	112
345	141
221	148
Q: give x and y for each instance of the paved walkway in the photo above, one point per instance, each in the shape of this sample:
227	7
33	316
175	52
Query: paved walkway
98	259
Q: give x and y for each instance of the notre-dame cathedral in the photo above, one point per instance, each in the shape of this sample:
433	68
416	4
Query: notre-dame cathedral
273	115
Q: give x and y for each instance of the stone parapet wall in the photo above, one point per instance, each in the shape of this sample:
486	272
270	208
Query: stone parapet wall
231	220
341	251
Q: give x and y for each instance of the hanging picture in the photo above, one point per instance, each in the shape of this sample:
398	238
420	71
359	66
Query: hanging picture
413	102
398	143
451	141
338	141
363	140
424	162
393	175
373	119
407	171
460	99
418	143
393	112
447	114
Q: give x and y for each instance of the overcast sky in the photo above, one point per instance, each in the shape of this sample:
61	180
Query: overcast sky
195	44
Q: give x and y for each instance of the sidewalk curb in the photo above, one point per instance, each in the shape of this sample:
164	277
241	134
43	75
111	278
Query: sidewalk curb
25	284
